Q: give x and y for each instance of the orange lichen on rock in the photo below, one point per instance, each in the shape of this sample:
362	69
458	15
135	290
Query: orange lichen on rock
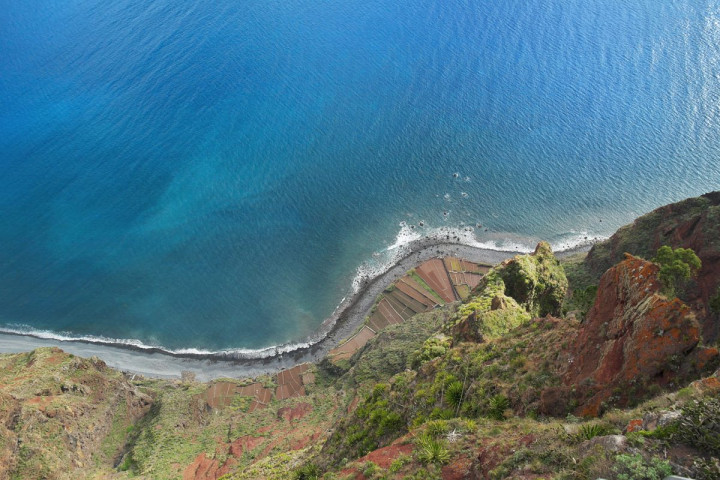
633	335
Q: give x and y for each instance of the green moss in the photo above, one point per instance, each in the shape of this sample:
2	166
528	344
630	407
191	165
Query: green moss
510	294
536	281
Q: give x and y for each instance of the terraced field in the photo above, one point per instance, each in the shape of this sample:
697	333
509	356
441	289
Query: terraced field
435	282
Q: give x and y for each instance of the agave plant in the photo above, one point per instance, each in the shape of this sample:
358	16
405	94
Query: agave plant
431	450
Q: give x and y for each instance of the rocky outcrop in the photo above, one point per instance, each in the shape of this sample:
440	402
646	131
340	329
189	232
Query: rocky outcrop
536	281
510	294
693	223
632	339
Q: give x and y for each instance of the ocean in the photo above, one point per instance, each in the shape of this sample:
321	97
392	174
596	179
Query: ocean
207	175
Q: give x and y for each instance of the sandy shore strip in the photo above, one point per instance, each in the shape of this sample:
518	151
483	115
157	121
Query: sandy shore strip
342	324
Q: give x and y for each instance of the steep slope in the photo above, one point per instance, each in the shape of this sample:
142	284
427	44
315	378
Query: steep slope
693	223
62	415
634	341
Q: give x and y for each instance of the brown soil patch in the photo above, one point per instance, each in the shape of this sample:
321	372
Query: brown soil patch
389	312
383	457
294	413
408	290
244	444
409	302
290	383
347	349
353	404
434	274
457	470
220	394
408	280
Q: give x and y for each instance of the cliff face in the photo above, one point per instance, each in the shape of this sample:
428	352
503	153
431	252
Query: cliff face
454	392
60	414
693	223
633	338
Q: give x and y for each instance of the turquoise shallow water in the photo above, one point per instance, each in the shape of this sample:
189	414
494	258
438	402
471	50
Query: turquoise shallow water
215	174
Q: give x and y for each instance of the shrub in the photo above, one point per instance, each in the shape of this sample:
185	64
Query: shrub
309	471
398	463
437	428
498	405
370	469
431	450
455	393
433	347
715	302
706	469
699	425
592	430
676	266
582	300
635	467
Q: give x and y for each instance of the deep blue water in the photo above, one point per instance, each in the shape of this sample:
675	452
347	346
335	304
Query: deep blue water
211	174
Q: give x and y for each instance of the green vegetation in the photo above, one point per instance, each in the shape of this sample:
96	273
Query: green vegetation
498	405
715	302
537	281
676	266
432	450
635	467
392	350
699	425
413	274
309	471
481	386
581	300
592	430
510	294
433	347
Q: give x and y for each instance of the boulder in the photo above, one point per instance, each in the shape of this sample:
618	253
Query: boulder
609	443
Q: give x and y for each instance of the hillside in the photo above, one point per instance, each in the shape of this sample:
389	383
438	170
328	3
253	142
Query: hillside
580	368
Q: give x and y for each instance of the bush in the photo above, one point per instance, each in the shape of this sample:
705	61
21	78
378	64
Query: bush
676	266
455	393
715	302
706	469
370	469
433	347
592	430
308	471
431	450
437	428
399	463
498	405
582	300
699	425
635	467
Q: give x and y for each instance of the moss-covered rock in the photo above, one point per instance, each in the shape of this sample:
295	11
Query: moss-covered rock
536	281
511	294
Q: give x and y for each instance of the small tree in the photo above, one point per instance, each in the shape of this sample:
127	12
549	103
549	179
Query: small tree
676	266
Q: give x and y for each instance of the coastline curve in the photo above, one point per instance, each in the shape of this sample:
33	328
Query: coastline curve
153	361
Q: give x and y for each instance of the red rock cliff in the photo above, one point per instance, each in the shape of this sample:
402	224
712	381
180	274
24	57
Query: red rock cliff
693	223
633	338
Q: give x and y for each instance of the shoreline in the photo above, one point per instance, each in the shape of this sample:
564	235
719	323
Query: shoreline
350	314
